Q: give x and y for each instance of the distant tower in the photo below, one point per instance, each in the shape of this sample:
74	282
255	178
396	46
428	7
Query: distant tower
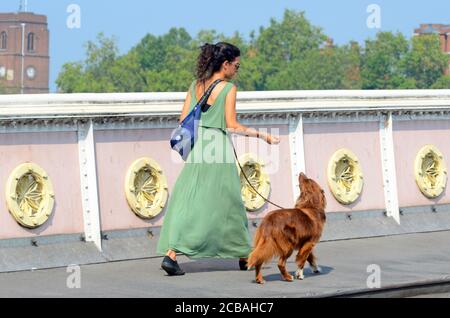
24	52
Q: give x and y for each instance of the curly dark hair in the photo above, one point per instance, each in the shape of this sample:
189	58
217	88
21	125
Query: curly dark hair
212	57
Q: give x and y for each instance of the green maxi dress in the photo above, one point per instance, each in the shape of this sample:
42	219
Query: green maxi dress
205	214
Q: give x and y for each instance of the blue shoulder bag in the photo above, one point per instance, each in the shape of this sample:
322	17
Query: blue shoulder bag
184	136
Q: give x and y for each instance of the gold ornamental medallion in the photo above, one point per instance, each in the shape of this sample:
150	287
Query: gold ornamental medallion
29	195
146	188
345	178
430	171
254	170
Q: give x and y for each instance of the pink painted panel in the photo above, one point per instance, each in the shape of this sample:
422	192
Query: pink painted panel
278	166
116	150
409	138
57	154
322	140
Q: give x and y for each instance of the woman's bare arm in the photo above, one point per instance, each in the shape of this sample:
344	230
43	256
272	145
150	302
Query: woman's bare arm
187	103
235	127
231	118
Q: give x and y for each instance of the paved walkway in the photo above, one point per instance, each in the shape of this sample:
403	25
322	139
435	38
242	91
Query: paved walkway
401	259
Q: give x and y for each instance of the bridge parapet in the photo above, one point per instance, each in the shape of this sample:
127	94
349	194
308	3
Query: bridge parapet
381	157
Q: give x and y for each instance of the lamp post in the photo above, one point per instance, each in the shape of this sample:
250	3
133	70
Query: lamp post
22	55
23	6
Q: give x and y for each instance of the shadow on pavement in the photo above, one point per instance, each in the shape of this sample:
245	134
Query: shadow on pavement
307	272
223	265
210	265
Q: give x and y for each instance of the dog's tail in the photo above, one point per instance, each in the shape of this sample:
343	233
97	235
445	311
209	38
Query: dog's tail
263	251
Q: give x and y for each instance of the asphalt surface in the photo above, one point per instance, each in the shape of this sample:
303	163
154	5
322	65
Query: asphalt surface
441	295
346	266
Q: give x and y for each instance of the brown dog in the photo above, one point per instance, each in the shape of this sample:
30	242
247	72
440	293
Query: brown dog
285	230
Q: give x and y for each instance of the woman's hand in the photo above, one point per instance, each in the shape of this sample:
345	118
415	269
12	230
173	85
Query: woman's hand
271	139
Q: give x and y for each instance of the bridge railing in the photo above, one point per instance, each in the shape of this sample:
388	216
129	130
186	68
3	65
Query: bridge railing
70	161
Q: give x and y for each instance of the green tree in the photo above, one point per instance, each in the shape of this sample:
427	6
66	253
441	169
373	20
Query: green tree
282	45
426	62
287	54
127	75
318	69
94	73
167	61
350	59
154	52
289	39
442	83
381	61
71	78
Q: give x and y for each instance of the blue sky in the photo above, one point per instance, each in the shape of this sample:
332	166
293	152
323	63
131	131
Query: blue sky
130	20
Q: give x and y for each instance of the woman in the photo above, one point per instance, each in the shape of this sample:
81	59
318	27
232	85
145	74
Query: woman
205	214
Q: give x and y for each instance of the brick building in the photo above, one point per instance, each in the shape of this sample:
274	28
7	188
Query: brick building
24	53
444	34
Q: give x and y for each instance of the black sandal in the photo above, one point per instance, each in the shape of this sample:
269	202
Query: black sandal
243	265
171	267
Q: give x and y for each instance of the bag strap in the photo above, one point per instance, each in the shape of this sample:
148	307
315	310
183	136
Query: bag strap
206	95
